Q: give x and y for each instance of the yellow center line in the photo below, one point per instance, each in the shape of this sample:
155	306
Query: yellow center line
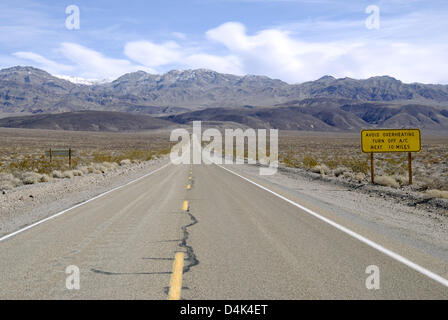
176	277
189	178
188	186
185	205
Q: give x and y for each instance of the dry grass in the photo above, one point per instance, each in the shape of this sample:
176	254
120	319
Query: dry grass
387	181
437	194
341	153
23	160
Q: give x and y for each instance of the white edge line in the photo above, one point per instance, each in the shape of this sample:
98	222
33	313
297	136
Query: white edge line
79	204
355	235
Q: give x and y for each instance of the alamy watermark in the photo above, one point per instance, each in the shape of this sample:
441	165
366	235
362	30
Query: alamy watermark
373	20
72	282
72	22
373	280
207	147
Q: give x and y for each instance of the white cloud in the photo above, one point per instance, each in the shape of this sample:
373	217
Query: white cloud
84	62
44	63
172	54
277	54
226	64
151	54
92	64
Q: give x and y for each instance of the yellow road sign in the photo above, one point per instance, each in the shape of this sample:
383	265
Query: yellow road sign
391	140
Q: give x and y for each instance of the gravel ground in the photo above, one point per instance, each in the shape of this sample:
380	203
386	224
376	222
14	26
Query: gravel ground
27	204
406	195
403	215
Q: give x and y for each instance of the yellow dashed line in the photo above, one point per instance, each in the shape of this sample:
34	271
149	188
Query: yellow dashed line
176	277
185	205
188	186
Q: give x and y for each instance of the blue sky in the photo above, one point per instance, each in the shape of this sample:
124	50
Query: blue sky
292	40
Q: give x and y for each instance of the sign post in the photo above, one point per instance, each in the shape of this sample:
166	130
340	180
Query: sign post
62	153
391	140
70	158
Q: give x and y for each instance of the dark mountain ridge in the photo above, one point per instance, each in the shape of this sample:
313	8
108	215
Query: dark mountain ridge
27	89
329	117
327	104
87	121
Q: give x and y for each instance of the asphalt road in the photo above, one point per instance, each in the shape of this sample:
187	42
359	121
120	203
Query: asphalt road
238	240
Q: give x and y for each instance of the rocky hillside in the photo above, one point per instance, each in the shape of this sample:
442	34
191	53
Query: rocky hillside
325	114
87	121
27	89
181	96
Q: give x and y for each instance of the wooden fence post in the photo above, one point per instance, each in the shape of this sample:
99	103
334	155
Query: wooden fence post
70	158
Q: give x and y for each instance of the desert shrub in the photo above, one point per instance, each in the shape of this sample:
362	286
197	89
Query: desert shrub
339	171
322	169
77	173
359	176
30	178
6	185
39	164
315	169
134	154
57	174
103	157
83	169
68	174
139	155
93	169
309	162
332	163
434	193
44	178
357	165
401	179
110	165
8	181
387	181
290	161
100	167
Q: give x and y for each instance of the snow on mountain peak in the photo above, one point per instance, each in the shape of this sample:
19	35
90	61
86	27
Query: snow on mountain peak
79	80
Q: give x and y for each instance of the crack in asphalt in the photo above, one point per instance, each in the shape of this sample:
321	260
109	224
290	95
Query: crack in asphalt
190	255
190	258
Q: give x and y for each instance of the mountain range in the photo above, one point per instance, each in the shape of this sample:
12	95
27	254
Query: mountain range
87	121
327	104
